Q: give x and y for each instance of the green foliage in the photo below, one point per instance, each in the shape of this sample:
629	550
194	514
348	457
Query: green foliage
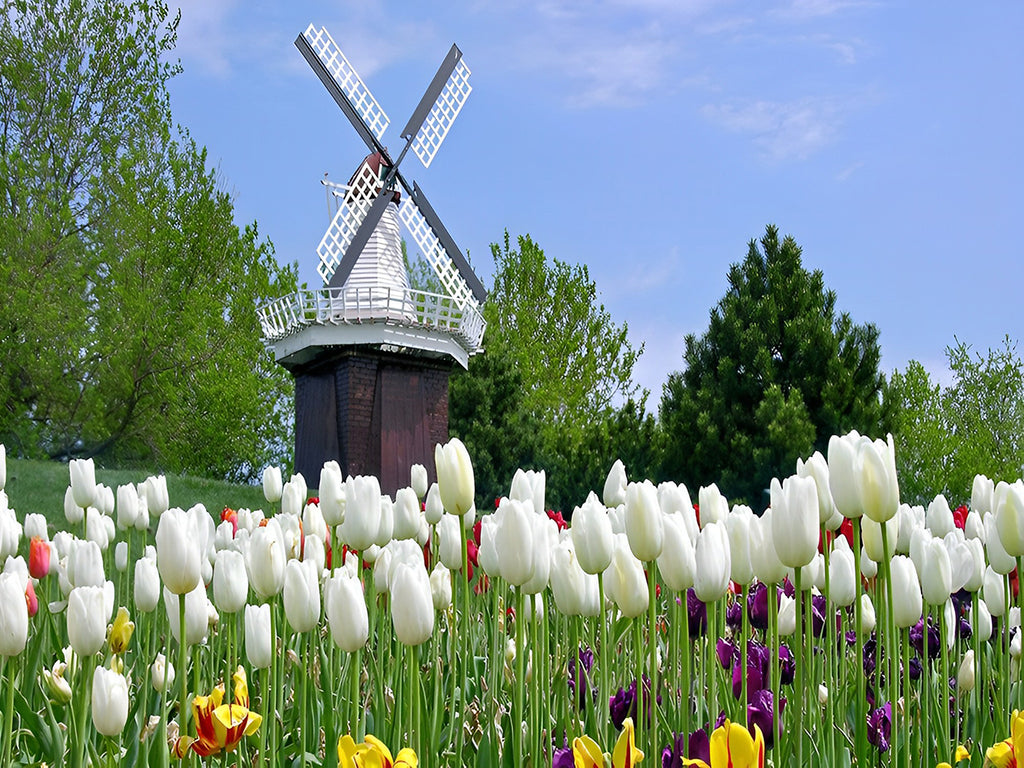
945	435
542	396
774	376
132	293
546	318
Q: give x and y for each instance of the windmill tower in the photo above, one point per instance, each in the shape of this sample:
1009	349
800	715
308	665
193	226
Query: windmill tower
370	355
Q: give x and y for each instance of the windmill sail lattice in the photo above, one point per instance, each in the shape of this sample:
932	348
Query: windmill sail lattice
347	79
439	121
354	206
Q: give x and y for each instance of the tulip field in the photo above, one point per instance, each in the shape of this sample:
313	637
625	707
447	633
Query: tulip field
837	627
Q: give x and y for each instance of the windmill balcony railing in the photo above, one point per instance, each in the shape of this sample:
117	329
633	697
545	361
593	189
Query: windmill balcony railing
403	307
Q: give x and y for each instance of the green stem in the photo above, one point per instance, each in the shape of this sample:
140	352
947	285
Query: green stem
466	651
980	694
944	747
264	687
907	720
652	641
7	666
411	694
860	707
304	726
605	659
774	683
798	693
745	619
926	684
520	683
686	650
182	672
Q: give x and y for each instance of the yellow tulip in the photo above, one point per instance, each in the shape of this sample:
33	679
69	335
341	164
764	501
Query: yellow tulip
121	631
373	753
587	754
733	747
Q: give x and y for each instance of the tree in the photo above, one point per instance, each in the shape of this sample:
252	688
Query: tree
774	376
132	292
543	394
546	318
945	435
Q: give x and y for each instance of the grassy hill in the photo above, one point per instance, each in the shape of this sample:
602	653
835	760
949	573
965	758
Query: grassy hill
39	486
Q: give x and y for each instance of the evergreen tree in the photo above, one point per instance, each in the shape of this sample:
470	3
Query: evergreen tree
774	376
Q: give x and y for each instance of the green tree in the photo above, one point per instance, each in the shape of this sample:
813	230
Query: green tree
774	376
132	292
543	394
945	435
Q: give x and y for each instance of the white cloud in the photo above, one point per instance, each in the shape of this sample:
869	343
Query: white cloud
203	37
799	10
783	130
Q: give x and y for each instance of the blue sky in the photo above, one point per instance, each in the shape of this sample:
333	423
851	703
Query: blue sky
653	139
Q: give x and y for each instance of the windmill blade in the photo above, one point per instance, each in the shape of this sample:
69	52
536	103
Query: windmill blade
352	209
440	250
439	107
345	85
360	238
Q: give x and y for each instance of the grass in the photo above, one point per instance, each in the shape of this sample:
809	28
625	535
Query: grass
39	486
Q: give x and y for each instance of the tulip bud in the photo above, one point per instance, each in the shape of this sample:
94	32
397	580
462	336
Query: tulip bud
406	514
516	552
57	684
147	585
121	556
936	576
385	521
1009	511
161	673
455	480
179	557
794	520
345	606
842	577
872	535
939	517
441	587
266	561
714	507
87	619
879	487
822	695
843	481
127	507
418	480
83	482
738	525
72	512
625	580
591	532
301	595
13	615
362	512
109	701
867	622
965	675
677	562
121	631
713	559
816	467
434	507
994	592
765	560
449	542
529	486
230	581
787	615
906	592
272	488
259	641
38	558
332	494
412	607
982	490
644	528
983	622
615	485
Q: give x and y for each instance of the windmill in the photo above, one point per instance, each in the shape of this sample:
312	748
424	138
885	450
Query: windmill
371	355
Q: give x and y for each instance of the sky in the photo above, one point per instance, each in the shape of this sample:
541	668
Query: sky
652	140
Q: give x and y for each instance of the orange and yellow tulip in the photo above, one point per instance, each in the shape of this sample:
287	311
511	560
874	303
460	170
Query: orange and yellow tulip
1007	753
220	727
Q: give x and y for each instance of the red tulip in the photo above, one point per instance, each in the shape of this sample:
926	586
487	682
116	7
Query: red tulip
39	557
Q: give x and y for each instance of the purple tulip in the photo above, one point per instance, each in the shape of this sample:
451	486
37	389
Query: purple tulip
818	608
734	615
757	606
759	713
697	614
917	639
726	651
700	746
623	704
586	659
879	725
915	668
787	665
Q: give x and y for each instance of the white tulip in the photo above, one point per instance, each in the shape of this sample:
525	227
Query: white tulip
441	587
109	701
197	614
259	639
301	595
345	606
418	480
455	480
332	495
713	563
644	528
591	532
406	514
272	487
230	582
412	606
83	482
615	485
714	507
